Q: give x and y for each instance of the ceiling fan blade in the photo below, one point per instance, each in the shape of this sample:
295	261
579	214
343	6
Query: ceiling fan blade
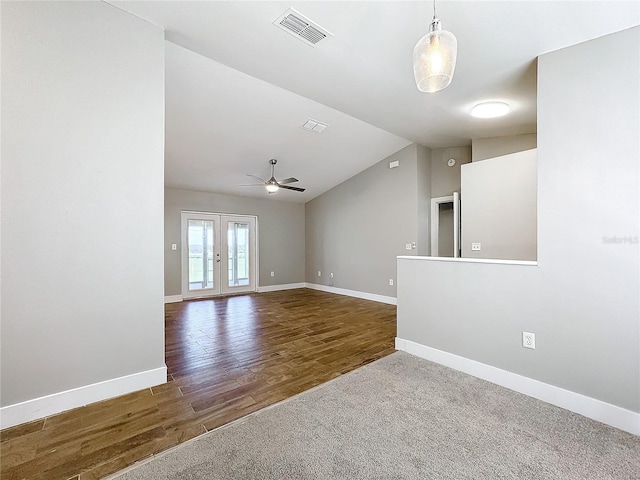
258	178
287	180
297	189
252	185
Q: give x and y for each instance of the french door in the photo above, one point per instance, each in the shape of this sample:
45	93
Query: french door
218	254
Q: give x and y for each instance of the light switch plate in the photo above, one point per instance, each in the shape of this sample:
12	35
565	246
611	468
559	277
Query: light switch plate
174	246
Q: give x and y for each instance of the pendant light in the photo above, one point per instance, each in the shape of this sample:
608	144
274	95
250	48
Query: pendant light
434	57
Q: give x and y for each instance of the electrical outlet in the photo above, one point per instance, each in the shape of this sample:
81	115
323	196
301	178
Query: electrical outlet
319	273
529	340
475	247
407	246
331	274
174	246
391	282
273	274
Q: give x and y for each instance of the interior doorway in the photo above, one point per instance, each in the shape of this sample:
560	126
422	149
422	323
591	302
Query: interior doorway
219	254
445	226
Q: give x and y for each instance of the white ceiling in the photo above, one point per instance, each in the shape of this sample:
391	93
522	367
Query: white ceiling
238	88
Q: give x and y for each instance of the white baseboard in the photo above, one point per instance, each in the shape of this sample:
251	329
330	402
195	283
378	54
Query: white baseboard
275	288
575	402
353	293
325	288
59	402
172	298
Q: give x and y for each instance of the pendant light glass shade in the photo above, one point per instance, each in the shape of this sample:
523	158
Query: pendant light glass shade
434	59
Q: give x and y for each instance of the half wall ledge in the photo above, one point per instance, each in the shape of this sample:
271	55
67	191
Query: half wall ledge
528	263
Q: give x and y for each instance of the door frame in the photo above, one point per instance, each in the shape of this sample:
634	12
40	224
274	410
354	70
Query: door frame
221	242
435	223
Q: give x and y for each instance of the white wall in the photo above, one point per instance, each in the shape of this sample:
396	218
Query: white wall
82	203
581	299
499	207
445	179
356	229
483	148
424	175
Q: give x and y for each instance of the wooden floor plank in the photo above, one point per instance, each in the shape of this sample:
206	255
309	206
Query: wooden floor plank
226	357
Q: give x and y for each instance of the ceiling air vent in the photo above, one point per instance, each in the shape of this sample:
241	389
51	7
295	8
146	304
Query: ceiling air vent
301	27
314	126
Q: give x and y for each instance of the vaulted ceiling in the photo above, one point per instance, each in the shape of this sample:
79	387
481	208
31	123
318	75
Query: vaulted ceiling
238	89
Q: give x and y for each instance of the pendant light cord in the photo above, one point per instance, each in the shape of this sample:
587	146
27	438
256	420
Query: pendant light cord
434	9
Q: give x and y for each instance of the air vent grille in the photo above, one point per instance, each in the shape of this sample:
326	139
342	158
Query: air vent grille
314	126
296	24
300	27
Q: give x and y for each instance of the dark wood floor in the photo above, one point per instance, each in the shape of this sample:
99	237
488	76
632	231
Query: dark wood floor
226	357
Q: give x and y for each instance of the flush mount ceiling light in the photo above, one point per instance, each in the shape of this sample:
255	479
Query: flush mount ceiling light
434	57
490	110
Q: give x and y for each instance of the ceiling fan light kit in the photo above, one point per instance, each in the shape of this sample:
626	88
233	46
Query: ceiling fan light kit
272	185
434	57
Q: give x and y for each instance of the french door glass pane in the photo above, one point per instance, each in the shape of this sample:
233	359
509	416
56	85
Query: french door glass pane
238	249
200	238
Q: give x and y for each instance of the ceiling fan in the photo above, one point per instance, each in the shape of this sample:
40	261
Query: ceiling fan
272	185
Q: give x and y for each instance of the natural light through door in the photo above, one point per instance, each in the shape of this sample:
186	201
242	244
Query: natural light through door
218	254
200	241
239	252
237	245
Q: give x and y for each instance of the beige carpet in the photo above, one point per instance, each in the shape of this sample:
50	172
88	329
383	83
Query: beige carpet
404	418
